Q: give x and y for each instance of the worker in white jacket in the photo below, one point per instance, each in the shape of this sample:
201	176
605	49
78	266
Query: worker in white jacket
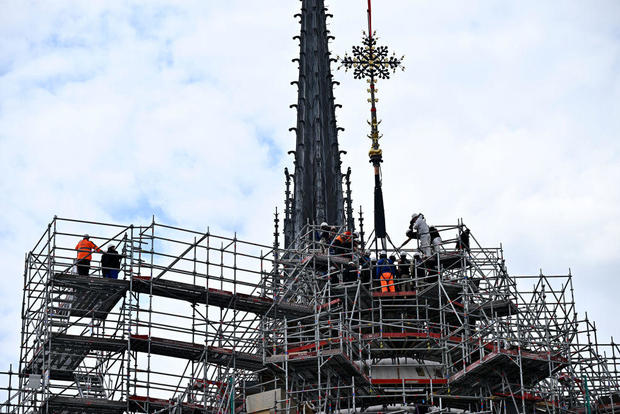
419	227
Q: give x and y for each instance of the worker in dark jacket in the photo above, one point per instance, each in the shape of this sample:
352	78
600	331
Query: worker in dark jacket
351	273
85	249
462	243
403	272
366	264
324	235
111	263
436	240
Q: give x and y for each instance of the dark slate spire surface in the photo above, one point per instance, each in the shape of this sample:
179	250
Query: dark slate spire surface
317	194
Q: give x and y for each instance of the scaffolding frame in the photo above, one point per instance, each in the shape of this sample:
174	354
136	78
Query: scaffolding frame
198	322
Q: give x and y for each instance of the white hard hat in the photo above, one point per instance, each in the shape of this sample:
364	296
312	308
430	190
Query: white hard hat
324	224
86	236
383	253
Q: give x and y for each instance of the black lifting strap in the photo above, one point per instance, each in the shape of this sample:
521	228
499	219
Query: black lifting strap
380	231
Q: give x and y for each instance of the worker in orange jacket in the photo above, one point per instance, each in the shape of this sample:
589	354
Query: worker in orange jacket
84	255
342	243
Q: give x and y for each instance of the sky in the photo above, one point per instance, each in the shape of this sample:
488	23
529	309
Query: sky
507	115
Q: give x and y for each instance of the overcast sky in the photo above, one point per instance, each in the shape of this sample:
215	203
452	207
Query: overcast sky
508	115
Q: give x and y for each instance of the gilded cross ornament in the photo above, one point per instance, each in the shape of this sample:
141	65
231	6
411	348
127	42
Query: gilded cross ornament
371	61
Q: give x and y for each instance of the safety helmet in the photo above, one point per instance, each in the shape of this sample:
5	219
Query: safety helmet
86	236
403	254
383	253
347	233
324	224
111	248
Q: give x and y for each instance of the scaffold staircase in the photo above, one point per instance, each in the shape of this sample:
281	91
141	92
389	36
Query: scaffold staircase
60	308
90	384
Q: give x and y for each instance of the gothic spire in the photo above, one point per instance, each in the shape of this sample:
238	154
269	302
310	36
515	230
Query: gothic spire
317	194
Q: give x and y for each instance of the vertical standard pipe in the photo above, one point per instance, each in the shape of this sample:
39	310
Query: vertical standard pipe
520	359
130	321
232	394
195	364
206	317
234	321
287	391
10	383
150	311
25	334
585	385
49	287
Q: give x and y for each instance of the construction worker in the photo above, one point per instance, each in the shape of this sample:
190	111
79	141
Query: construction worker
385	273
403	272
84	254
366	264
462	242
110	263
343	243
351	273
416	270
435	239
325	234
418	229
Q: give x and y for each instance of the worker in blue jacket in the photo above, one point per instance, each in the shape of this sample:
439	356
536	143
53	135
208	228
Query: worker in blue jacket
385	273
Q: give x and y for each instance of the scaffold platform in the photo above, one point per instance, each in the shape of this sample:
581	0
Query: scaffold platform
102	294
66	352
513	365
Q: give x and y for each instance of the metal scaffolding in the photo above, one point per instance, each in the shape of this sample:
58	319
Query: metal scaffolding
198	322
